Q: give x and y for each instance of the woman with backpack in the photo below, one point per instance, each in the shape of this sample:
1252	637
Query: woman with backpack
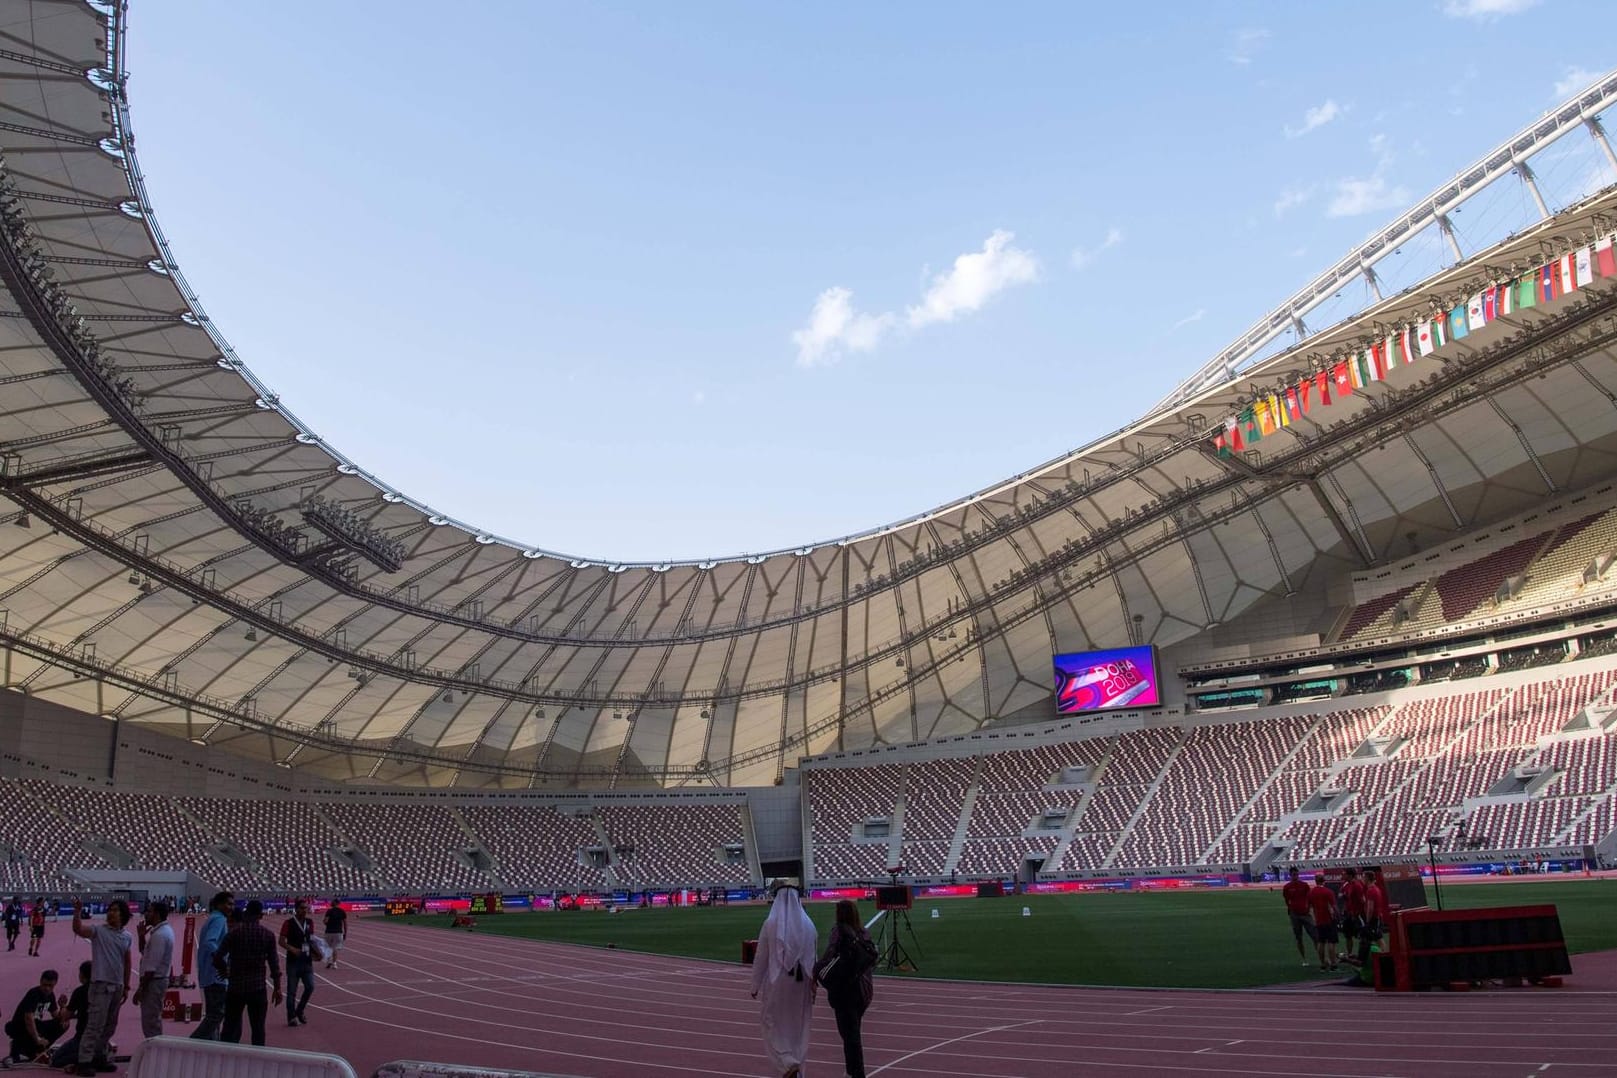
781	972
845	970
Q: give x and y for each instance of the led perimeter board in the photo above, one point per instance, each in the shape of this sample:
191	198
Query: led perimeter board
1105	680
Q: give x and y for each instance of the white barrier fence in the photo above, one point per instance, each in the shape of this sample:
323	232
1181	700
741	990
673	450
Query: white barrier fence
179	1057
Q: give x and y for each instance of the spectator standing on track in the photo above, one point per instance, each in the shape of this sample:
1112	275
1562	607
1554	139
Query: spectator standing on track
782	971
1296	895
109	982
1322	904
1352	898
297	939
13	919
77	1011
36	927
156	957
246	953
849	991
36	1022
212	983
1375	913
336	932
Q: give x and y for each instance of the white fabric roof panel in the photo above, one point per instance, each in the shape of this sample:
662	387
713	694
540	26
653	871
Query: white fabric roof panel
563	670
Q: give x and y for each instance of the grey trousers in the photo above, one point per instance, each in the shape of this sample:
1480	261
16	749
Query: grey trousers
101	1022
151	1007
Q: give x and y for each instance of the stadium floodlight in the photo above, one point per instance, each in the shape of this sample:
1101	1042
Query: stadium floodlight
22	520
134	578
251	636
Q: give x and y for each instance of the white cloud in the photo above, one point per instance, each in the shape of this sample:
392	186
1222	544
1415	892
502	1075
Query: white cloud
1575	79
834	327
1486	10
1316	117
1195	316
1246	44
1082	258
1359	195
1291	198
974	279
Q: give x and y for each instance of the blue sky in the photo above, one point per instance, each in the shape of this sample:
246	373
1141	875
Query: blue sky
653	281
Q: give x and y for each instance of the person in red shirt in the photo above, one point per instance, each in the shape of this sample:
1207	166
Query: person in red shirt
1352	899
1375	913
1322	904
1296	895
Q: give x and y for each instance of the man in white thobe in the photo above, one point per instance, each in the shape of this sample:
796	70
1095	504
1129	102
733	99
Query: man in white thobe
782	972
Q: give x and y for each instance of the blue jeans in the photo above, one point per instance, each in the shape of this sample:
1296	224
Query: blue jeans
299	974
213	1013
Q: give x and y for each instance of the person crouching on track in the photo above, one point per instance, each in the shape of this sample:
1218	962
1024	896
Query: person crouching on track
36	1023
846	968
109	982
782	971
1295	894
1322	903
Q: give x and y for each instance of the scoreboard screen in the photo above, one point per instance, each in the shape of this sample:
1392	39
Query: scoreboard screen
481	904
398	907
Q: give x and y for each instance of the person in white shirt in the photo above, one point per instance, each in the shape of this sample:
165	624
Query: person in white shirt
156	956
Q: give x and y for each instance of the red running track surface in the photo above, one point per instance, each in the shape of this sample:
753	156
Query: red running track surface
406	992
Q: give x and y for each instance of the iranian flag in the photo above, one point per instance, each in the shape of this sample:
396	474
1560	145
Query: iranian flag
1583	266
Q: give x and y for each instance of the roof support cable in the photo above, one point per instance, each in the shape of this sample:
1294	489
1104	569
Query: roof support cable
1437	480
1527	447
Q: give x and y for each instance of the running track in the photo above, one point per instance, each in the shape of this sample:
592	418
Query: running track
406	992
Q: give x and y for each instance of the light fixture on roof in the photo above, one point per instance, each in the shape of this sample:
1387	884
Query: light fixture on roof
23	520
449	696
134	577
251	636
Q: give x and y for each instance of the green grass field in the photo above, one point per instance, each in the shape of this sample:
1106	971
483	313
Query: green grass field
1233	939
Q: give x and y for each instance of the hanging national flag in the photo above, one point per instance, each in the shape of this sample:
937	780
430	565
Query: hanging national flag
1249	424
1457	327
1322	382
1277	408
1583	266
1605	260
1490	303
1507	299
1526	291
1342	380
1406	345
1294	408
1232	434
1474	317
1266	422
1424	340
1549	282
1305	392
1567	267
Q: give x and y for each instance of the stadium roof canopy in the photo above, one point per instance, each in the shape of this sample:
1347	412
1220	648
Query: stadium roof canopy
180	551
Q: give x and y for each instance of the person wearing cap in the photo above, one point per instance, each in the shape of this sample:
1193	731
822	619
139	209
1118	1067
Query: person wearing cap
1295	894
1322	904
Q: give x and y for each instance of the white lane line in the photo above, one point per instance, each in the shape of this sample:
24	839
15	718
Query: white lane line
952	1040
